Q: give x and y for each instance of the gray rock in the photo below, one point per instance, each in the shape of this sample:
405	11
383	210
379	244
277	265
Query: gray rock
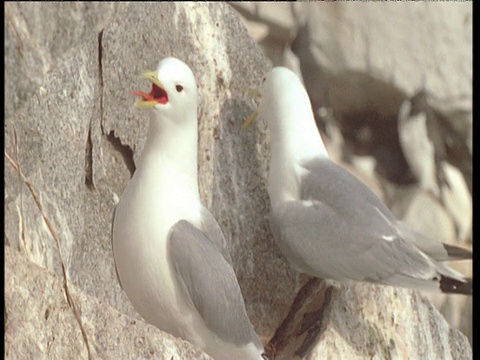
457	309
274	27
281	19
39	324
78	140
387	41
363	329
38	35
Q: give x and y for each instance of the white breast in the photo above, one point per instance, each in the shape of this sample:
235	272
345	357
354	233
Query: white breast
140	248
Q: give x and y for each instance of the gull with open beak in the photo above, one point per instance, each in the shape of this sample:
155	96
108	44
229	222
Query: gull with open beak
170	254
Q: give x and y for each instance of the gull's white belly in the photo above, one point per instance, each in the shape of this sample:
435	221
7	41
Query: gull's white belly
142	223
142	259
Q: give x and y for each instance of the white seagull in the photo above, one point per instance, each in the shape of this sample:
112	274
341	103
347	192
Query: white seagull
327	223
170	254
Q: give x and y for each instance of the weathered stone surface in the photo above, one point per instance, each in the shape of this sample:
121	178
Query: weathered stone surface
280	19
34	45
59	141
273	27
41	325
408	45
79	138
371	322
457	309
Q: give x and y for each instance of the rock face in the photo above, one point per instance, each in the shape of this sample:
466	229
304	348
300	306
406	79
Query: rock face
48	328
71	127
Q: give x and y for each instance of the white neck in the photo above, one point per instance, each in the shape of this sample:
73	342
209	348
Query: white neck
295	140
171	148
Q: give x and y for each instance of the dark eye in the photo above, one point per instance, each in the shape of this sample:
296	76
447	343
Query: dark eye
179	88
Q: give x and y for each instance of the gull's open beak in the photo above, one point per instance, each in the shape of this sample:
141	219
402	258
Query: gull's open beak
157	95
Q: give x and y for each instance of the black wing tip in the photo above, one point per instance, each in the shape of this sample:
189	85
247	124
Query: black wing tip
457	253
449	285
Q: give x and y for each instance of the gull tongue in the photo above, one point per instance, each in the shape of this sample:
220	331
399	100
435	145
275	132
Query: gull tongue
145	96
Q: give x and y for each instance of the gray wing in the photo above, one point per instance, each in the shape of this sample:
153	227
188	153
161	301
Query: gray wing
111	238
209	283
321	243
350	198
347	196
435	249
213	231
341	230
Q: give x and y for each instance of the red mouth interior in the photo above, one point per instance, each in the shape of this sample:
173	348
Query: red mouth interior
157	94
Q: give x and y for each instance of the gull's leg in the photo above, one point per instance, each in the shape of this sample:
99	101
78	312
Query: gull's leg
286	331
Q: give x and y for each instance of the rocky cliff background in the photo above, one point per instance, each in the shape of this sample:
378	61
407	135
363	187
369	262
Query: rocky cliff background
71	130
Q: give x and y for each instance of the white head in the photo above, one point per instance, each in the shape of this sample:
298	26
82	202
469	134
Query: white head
286	107
173	131
174	92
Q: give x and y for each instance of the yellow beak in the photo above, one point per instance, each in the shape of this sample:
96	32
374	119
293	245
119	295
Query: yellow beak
147	100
